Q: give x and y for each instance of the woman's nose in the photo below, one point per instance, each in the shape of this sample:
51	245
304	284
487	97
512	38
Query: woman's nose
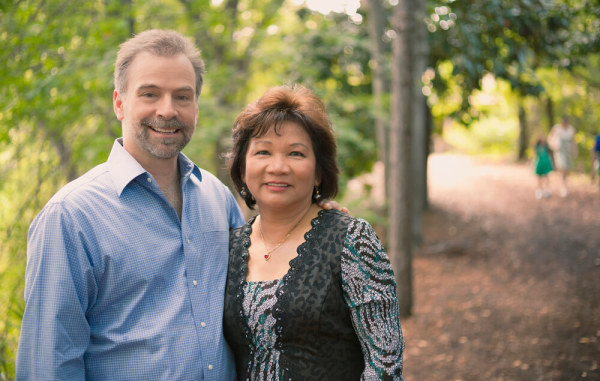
278	163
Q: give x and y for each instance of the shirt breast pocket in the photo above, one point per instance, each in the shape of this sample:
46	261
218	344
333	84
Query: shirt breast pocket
214	254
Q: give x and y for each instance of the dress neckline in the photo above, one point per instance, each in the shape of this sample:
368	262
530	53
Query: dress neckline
247	231
297	265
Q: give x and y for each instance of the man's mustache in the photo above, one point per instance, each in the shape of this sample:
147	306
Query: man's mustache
163	123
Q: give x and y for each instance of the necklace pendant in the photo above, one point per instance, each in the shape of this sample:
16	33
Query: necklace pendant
267	257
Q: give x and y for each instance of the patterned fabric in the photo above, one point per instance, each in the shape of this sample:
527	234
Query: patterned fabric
119	288
333	316
259	300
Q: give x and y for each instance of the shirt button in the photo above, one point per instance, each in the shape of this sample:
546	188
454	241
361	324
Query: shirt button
188	241
195	282
203	324
149	180
210	367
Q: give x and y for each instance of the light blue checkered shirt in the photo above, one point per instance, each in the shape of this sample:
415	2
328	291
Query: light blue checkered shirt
118	288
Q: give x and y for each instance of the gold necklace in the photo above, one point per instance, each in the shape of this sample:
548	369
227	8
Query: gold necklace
268	255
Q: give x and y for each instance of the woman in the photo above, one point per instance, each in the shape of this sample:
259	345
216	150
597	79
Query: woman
310	292
562	142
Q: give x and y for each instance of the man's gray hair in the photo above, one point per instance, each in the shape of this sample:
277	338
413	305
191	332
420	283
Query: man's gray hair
164	43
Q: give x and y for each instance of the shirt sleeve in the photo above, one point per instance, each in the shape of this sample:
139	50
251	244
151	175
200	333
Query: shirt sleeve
236	217
370	292
58	282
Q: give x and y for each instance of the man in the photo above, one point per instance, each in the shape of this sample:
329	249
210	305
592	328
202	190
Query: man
126	265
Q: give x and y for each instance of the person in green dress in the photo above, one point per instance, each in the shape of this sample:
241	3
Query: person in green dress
543	166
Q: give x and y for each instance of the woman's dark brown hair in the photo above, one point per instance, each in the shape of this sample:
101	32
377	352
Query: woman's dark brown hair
278	105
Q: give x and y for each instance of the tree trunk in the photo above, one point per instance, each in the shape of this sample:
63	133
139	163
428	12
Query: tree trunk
428	149
376	22
419	107
400	156
523	133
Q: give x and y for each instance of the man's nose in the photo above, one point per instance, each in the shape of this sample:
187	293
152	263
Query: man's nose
166	108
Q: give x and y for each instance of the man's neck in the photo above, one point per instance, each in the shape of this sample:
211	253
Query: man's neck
166	174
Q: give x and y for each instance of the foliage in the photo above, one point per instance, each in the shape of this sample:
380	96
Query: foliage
531	45
576	93
507	38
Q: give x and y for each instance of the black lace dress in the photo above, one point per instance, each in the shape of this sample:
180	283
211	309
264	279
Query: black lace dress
333	316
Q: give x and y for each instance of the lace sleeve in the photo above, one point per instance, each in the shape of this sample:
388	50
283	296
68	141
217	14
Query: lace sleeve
370	293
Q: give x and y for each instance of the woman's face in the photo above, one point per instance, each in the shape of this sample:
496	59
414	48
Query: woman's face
281	169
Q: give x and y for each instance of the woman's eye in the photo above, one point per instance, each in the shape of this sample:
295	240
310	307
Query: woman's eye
296	153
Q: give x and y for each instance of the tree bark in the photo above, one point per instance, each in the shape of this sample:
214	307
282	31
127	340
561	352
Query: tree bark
419	120
523	132
376	21
428	148
400	155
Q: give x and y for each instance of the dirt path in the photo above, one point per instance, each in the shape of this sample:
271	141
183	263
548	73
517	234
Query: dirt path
506	287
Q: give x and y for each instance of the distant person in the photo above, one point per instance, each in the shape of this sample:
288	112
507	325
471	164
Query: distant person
126	265
310	293
562	142
596	159
543	166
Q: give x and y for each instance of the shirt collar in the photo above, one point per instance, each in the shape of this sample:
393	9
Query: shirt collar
124	168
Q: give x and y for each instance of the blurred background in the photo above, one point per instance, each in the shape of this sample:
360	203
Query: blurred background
416	91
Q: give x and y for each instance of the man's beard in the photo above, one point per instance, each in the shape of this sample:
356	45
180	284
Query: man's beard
167	147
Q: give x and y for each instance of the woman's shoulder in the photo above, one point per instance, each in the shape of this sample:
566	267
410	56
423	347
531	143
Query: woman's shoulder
337	220
334	215
236	235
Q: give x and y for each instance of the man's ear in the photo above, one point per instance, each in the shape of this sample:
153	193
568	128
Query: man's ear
118	105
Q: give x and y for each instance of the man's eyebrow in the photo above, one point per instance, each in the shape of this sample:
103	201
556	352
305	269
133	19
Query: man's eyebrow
147	86
152	86
185	88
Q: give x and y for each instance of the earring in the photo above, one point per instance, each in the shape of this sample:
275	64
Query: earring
246	195
317	196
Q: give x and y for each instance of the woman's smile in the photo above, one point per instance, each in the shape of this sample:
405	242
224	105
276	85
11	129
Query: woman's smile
281	167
